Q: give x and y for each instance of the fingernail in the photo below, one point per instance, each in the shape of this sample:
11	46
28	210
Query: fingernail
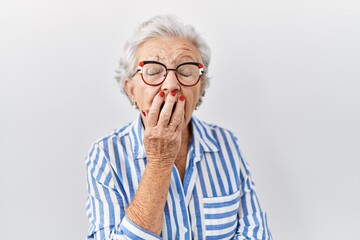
173	93
182	98
143	113
162	94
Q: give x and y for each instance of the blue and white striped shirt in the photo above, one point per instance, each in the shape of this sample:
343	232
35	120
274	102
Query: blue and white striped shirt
215	201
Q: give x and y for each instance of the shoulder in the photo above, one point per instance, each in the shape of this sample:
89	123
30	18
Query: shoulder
213	130
115	135
105	144
214	138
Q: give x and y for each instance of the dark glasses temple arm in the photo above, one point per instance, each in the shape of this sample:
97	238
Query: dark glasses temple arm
135	73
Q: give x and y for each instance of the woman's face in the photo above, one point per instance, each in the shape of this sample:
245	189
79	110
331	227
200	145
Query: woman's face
172	52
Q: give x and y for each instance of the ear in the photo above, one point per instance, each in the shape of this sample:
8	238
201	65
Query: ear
129	89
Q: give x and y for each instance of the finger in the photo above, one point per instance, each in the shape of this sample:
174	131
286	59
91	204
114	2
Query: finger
177	117
154	111
167	110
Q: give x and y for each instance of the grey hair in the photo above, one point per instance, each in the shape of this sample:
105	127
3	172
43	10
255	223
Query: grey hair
160	26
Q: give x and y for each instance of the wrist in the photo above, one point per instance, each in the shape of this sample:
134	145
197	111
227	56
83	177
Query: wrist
162	162
159	165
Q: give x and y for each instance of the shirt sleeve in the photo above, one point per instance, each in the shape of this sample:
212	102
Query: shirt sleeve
107	201
252	220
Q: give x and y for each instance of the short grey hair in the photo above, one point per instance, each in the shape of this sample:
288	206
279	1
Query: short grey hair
160	26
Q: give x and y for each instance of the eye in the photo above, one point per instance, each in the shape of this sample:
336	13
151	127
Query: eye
153	73
153	70
187	71
183	74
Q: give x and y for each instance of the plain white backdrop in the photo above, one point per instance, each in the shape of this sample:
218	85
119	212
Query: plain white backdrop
285	79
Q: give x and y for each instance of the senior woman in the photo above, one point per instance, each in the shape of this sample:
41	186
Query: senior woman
168	175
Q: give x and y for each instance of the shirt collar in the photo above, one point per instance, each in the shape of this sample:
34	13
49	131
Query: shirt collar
203	138
136	133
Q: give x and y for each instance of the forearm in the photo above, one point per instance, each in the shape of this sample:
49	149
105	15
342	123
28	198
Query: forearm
147	208
163	126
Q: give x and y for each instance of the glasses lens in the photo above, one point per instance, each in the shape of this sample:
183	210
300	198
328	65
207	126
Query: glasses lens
153	73
188	74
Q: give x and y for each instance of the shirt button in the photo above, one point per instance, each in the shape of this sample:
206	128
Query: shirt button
185	229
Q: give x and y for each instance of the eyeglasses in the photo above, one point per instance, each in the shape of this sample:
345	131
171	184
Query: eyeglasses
154	73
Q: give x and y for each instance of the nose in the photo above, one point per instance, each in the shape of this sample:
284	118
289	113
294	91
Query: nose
171	83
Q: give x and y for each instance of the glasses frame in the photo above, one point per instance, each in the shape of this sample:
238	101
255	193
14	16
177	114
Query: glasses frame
143	63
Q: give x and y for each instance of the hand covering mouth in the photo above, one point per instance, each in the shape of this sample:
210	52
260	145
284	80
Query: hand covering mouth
173	109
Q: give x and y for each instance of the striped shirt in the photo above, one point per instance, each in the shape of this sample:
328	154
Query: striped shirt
216	199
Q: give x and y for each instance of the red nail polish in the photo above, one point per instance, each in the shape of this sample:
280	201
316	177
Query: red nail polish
173	93
162	94
182	98
143	113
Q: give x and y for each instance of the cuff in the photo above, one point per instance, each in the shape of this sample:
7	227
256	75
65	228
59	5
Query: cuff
133	231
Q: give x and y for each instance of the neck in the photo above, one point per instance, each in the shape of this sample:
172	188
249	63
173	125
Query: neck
180	161
186	135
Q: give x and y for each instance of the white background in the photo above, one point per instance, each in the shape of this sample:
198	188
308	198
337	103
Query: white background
285	78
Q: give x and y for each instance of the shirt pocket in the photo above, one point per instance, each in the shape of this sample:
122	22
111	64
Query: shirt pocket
221	215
